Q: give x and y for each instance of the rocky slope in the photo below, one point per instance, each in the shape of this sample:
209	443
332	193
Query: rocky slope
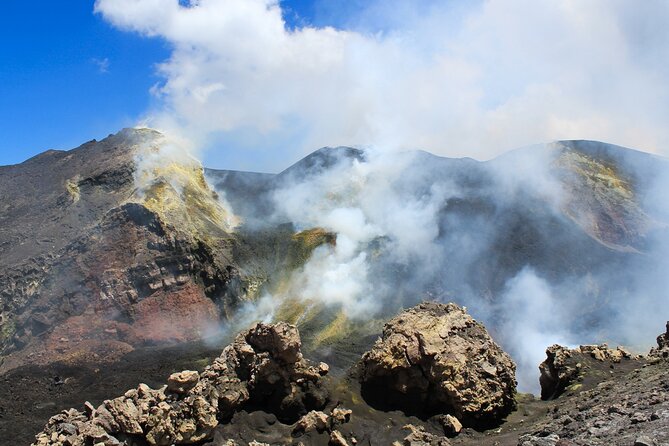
261	390
263	367
603	407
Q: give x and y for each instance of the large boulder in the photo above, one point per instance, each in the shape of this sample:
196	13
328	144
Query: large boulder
262	368
435	359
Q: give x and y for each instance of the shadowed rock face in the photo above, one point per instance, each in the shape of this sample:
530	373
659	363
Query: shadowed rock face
662	350
436	359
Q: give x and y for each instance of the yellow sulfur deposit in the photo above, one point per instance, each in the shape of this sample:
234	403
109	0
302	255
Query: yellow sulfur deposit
179	194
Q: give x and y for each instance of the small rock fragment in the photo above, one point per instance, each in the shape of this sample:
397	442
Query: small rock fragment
451	425
536	440
638	417
182	382
340	415
337	439
419	437
644	440
313	421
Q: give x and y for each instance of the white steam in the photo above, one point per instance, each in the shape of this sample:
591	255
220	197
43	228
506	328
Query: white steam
361	202
470	80
492	236
533	319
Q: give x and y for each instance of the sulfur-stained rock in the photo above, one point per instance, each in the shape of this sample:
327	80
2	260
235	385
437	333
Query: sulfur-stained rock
435	359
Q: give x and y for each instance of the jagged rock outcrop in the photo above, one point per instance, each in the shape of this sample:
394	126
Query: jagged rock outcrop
263	367
662	350
434	358
558	371
564	366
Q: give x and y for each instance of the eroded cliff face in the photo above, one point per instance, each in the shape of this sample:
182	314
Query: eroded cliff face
603	197
93	266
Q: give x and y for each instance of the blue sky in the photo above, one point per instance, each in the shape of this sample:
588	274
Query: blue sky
67	76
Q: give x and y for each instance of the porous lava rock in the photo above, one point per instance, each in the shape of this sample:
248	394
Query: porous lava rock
436	359
263	367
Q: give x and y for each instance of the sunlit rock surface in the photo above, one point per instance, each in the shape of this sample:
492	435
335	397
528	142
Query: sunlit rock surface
263	367
435	359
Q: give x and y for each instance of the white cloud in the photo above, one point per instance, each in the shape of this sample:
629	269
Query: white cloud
102	64
459	81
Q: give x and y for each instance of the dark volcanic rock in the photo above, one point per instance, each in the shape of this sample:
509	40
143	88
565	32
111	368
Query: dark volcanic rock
563	366
558	371
615	399
662	349
263	367
434	358
618	410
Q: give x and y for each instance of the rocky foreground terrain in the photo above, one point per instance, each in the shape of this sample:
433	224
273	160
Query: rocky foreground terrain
443	376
